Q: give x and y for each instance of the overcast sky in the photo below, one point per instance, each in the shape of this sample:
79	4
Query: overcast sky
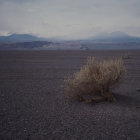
71	19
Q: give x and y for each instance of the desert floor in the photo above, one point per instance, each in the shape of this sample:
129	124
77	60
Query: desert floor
34	107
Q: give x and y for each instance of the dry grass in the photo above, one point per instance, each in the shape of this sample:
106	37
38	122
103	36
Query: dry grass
95	80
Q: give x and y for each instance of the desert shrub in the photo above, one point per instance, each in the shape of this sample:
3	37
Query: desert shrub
95	80
126	56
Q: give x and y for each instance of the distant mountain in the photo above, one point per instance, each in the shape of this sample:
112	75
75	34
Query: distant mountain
114	40
116	34
19	38
114	37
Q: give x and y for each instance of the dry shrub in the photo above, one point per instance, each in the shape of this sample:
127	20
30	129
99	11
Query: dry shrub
95	80
126	56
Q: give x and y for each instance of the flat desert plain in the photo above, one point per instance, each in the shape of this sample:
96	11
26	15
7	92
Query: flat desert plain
33	105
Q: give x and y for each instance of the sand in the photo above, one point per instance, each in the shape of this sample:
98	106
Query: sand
33	105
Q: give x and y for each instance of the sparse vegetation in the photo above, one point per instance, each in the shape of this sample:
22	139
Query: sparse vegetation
126	56
95	80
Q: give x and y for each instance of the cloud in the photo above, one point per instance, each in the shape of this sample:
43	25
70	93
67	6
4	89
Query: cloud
74	19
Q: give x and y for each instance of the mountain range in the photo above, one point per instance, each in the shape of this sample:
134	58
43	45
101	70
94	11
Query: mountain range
13	38
117	37
114	37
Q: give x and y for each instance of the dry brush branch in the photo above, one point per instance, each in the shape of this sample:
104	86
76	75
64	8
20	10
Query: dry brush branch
95	80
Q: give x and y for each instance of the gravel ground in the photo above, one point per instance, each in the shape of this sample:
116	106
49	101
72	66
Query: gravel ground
33	106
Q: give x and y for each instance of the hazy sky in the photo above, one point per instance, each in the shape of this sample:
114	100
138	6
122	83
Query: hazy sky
69	18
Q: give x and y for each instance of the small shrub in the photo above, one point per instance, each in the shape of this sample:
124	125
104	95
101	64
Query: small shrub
95	80
126	56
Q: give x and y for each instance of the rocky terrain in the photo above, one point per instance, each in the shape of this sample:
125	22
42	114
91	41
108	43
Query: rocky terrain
33	105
